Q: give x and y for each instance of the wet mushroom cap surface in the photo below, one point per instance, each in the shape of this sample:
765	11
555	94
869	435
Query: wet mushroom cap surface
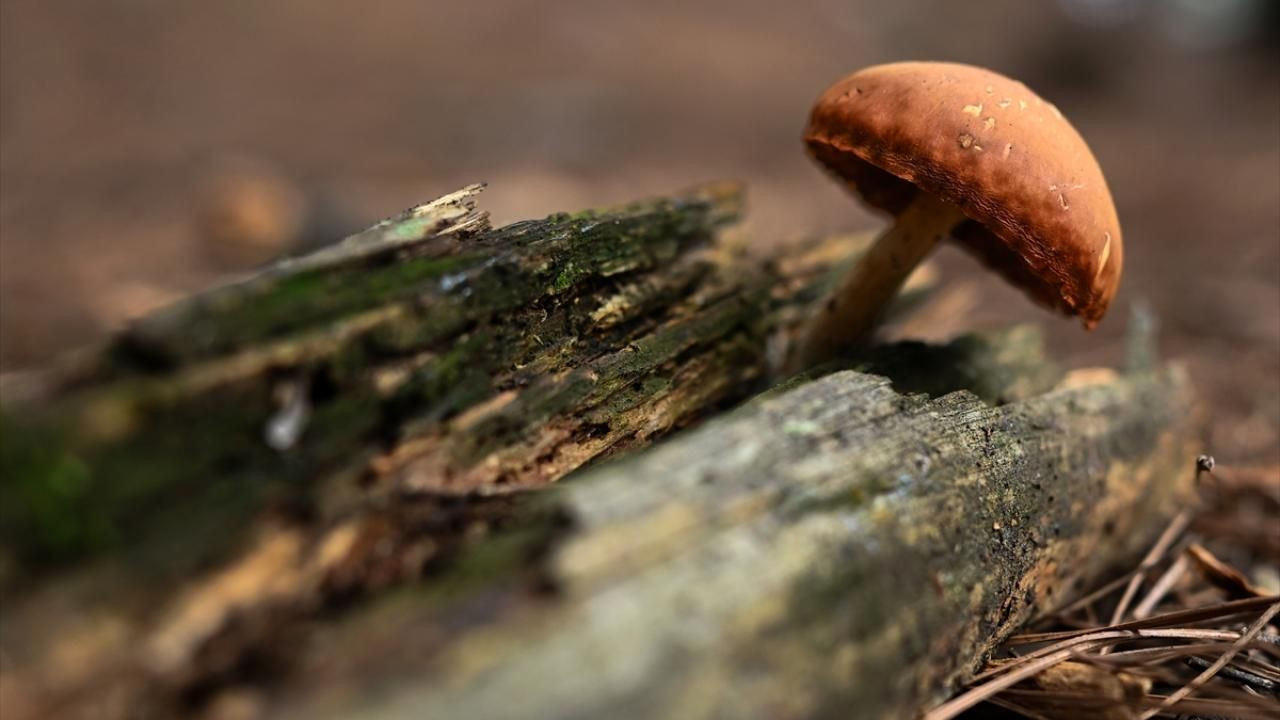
1042	215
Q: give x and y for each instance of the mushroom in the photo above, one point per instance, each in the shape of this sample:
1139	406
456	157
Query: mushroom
960	151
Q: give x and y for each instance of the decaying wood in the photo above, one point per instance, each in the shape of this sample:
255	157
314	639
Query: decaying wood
361	397
426	348
222	478
836	549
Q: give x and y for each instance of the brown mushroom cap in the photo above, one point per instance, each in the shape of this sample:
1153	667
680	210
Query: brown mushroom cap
1044	216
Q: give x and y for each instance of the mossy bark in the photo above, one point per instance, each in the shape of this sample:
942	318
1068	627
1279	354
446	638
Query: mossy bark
429	349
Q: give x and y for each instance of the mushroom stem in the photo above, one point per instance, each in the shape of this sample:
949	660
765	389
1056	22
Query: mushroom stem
849	315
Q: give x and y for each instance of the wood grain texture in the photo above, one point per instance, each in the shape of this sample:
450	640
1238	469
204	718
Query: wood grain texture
833	547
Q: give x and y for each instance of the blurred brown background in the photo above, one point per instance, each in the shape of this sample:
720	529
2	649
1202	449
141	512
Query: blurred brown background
147	146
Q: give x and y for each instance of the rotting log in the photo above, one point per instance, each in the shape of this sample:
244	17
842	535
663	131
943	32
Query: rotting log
442	366
428	348
834	547
366	397
834	550
425	354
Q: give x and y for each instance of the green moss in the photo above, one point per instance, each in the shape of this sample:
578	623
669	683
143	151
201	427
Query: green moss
306	300
44	485
502	270
564	280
